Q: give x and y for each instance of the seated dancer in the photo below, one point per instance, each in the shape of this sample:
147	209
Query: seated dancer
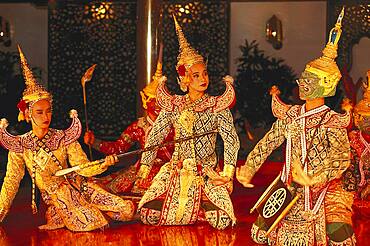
357	176
123	181
182	187
317	154
72	201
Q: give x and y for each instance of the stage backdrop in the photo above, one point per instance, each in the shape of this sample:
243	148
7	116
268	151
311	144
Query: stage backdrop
78	39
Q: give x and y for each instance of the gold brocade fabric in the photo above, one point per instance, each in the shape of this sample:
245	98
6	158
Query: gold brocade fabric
338	204
70	204
181	176
327	158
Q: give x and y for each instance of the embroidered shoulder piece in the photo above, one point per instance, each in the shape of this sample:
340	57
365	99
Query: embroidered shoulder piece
164	98
227	99
74	131
280	109
168	102
9	141
331	119
52	140
337	120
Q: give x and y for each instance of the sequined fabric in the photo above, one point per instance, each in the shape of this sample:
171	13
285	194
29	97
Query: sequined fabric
184	171
123	181
328	156
68	205
358	171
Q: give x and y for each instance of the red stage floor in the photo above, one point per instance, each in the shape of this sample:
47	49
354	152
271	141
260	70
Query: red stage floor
20	226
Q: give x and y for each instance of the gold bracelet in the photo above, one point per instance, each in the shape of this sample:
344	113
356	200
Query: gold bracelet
143	171
228	171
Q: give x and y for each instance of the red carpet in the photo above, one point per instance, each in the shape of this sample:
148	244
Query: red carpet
20	226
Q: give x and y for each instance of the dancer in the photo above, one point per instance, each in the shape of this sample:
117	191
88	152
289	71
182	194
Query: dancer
72	201
317	154
357	176
189	183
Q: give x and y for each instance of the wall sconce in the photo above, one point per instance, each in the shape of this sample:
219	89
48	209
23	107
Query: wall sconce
5	34
274	32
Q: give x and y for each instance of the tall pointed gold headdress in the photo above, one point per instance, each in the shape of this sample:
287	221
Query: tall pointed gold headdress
33	92
187	57
325	67
150	91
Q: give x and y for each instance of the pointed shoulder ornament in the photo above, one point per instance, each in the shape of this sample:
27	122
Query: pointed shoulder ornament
164	98
227	99
19	143
279	109
337	120
168	102
7	140
74	131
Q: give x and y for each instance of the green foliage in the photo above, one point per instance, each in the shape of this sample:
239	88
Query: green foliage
256	74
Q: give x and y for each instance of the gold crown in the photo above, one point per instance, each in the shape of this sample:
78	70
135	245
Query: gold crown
150	91
188	56
363	106
33	91
325	67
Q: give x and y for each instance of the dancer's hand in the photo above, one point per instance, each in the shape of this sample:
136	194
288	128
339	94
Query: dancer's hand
109	161
244	177
216	178
89	138
299	176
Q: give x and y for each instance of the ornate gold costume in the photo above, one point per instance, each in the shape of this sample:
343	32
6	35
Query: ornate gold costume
318	149
181	188
72	201
180	184
327	158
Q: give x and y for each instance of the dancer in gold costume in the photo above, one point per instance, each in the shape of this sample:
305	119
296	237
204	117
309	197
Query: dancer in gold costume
72	201
357	176
317	154
189	182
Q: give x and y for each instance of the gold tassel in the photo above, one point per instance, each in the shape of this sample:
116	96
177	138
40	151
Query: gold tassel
33	204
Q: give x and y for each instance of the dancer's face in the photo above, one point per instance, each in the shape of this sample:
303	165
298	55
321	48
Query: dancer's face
309	86
41	114
198	78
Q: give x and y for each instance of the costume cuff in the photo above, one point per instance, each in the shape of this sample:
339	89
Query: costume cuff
228	171
143	171
246	172
3	213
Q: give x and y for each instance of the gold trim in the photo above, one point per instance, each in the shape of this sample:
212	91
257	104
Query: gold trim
143	171
282	215
263	196
228	171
